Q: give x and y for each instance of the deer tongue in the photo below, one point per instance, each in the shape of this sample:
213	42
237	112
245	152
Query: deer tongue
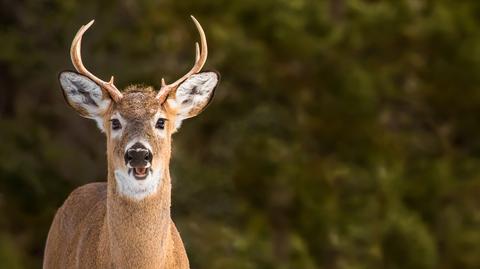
140	171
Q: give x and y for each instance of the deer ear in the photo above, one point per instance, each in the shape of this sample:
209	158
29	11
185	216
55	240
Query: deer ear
85	96
193	95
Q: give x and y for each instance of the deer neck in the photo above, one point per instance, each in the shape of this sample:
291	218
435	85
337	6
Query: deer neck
138	232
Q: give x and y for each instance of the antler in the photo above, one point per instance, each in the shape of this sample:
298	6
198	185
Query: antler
200	59
76	55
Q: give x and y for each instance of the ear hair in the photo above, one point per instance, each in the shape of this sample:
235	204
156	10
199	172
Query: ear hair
84	96
193	95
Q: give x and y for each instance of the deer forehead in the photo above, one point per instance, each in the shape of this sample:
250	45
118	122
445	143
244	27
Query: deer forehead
138	104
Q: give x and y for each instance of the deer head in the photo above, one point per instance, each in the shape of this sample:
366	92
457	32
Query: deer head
139	121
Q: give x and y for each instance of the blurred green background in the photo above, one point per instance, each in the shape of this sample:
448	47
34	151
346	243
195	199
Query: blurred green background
344	134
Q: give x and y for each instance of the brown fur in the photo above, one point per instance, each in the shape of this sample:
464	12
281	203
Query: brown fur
98	228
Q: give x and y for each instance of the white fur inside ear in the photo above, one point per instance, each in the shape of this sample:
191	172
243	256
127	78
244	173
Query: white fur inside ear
194	94
100	124
85	96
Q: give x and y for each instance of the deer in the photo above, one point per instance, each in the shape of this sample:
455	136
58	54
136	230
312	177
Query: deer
125	222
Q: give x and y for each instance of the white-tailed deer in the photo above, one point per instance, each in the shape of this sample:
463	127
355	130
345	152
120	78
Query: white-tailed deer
125	222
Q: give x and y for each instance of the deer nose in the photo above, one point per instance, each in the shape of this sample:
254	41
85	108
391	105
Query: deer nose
138	156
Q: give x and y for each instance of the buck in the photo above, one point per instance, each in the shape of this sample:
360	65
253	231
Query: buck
125	222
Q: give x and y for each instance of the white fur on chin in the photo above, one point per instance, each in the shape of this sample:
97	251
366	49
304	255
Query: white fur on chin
135	189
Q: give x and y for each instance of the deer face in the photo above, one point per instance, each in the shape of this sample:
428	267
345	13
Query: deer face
139	126
138	122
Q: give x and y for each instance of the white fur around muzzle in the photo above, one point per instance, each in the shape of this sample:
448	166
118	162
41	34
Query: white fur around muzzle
135	189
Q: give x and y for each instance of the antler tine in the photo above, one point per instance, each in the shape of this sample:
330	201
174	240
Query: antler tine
76	56
197	52
200	59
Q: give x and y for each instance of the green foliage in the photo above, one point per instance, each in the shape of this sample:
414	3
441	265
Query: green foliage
406	243
344	133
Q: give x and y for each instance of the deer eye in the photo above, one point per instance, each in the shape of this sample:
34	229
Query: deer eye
116	125
160	124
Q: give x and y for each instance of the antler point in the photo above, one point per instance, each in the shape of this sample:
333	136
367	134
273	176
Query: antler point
89	24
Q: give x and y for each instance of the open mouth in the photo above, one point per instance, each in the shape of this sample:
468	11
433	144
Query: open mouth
139	173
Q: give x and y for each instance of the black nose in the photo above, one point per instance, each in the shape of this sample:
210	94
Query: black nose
138	155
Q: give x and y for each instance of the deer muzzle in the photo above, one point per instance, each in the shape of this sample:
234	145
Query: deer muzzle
138	159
